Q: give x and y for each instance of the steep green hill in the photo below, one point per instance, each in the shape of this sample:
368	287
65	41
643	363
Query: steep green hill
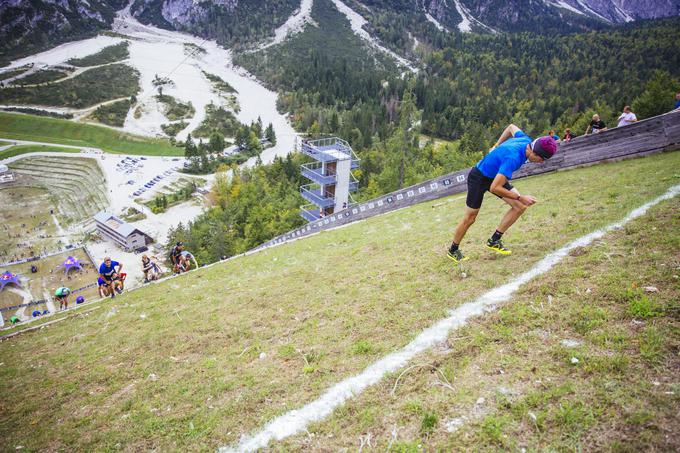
52	130
195	362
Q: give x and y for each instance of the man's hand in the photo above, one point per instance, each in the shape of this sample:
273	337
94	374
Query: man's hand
527	200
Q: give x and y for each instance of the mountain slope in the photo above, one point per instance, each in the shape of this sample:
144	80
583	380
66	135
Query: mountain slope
195	362
27	26
541	16
230	22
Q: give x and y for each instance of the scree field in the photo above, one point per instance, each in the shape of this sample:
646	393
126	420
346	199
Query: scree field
582	358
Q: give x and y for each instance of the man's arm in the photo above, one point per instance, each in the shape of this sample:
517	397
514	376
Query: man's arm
498	189
508	133
587	129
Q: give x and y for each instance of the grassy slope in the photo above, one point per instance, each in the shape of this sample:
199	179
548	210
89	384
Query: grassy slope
513	383
187	375
92	87
108	54
13	73
24	149
29	206
52	130
42	76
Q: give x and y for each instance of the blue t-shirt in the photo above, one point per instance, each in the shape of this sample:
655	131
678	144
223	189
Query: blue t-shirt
677	105
108	271
508	157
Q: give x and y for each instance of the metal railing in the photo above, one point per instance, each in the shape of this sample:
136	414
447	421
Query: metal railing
320	198
317	150
353	183
310	212
314	171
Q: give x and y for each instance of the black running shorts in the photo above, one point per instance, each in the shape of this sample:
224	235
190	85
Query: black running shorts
478	184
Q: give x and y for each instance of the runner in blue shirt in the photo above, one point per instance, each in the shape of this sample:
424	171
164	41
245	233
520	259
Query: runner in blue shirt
109	273
493	174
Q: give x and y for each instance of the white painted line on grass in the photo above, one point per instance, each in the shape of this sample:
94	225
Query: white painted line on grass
296	421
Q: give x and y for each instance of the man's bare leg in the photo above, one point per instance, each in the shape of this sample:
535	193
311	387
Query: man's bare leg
464	224
517	208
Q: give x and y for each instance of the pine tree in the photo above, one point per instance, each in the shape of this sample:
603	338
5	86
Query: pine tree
189	147
270	135
658	96
216	143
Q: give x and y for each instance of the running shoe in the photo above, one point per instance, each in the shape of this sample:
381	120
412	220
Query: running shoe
497	246
119	290
457	256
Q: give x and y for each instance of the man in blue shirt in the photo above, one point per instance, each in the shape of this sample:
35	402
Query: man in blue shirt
493	174
677	103
109	273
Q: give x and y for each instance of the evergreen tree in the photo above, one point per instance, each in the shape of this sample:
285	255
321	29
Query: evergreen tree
658	97
189	147
257	127
334	123
216	143
270	135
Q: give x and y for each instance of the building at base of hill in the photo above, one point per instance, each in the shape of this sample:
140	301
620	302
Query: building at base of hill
6	175
121	232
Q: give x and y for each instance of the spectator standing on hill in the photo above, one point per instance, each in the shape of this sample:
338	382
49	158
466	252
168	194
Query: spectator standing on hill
596	125
61	296
677	102
493	174
627	117
567	135
175	254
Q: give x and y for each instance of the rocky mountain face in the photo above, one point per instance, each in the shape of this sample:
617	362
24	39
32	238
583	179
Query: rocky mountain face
31	25
179	14
230	22
537	15
618	11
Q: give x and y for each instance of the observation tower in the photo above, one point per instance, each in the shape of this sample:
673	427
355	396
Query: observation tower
331	176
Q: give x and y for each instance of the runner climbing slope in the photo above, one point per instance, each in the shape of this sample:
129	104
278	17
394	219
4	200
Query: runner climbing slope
61	295
110	273
493	174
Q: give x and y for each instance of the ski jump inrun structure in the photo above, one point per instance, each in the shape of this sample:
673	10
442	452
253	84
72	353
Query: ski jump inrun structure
653	135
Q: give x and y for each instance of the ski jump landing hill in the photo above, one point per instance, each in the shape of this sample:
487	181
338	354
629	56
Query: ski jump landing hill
653	135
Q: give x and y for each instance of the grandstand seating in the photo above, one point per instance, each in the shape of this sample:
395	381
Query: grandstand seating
75	183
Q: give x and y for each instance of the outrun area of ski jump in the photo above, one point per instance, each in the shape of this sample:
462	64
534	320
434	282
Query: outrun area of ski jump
297	420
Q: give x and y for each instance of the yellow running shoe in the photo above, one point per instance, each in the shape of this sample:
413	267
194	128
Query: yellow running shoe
457	256
497	246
